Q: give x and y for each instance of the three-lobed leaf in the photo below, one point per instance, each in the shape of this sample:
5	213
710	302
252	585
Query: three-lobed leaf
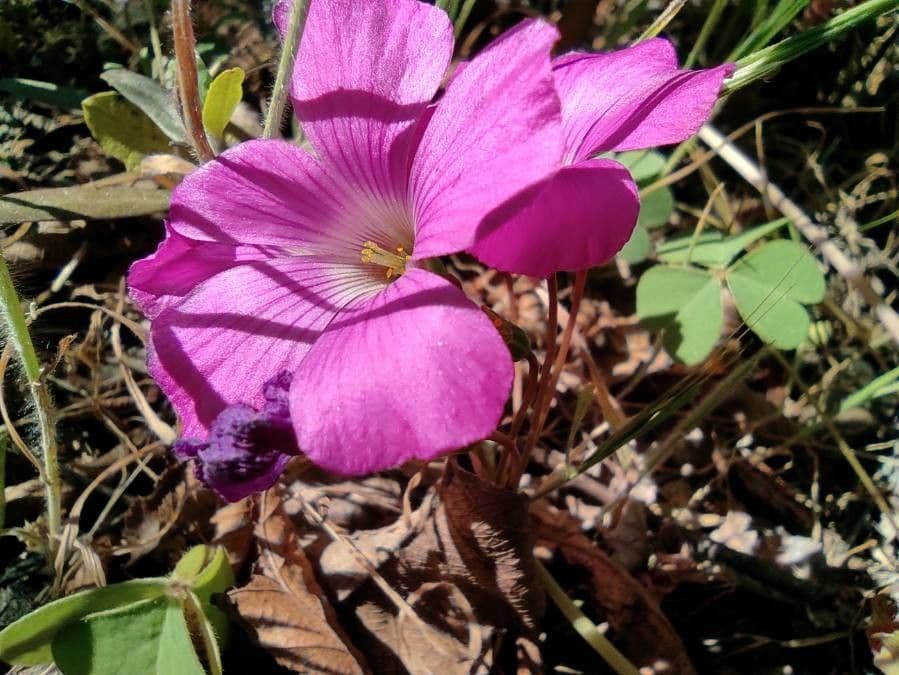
686	304
712	249
770	285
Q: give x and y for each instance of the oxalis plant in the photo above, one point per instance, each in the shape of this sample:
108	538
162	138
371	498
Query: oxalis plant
300	304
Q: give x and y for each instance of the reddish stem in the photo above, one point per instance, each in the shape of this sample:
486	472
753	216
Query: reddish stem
188	92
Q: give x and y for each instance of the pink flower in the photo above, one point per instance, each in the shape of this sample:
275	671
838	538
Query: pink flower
582	215
278	260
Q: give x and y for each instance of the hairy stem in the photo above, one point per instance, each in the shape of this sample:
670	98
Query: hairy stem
19	337
188	89
275	115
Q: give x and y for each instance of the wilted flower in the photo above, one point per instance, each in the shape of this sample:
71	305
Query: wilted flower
246	450
582	215
277	260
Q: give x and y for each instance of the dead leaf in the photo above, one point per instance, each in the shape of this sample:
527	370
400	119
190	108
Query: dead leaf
174	514
480	540
284	605
234	530
640	628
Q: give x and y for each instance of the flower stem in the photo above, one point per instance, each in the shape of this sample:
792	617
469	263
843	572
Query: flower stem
662	20
585	628
463	17
188	90
552	368
292	37
11	309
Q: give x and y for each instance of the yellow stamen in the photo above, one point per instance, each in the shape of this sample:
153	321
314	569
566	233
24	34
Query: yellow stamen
394	262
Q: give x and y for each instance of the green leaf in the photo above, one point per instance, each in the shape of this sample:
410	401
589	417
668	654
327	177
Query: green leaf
883	385
43	92
207	571
685	303
146	637
123	131
149	96
656	208
81	202
224	94
26	642
770	286
638	247
644	165
712	249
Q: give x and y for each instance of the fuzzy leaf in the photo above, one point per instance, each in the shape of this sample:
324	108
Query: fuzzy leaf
686	304
122	130
149	96
207	571
27	641
224	94
81	202
146	637
770	287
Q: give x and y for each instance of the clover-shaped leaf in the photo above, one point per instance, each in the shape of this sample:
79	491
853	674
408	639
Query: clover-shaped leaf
770	285
686	304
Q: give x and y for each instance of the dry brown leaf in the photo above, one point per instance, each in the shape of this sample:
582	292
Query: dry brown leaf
450	643
175	513
234	530
480	540
284	605
642	631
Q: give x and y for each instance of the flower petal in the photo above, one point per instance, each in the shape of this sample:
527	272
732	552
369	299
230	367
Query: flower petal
579	218
271	193
178	266
494	133
365	72
414	371
242	327
632	98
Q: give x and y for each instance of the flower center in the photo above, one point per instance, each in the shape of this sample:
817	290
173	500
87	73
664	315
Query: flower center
395	261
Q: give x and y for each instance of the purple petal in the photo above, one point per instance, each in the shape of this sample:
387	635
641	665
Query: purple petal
163	278
365	72
579	218
632	98
494	133
246	452
413	372
242	327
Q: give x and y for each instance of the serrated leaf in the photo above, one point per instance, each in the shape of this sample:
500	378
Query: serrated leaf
712	249
27	641
149	96
644	165
656	208
121	129
224	94
770	286
81	202
686	304
638	247
146	637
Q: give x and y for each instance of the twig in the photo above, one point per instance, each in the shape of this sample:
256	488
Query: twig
814	233
292	38
11	309
188	93
584	627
